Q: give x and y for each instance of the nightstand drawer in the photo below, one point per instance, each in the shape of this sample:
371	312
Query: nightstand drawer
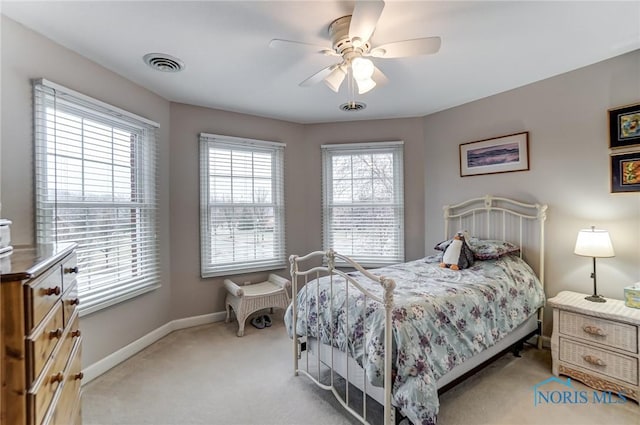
606	363
603	331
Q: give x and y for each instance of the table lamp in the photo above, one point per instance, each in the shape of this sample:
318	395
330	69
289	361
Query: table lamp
594	243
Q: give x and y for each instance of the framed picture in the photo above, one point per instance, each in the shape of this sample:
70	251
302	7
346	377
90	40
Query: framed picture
625	172
498	155
624	126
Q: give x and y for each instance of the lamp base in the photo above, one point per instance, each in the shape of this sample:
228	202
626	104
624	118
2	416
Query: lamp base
595	298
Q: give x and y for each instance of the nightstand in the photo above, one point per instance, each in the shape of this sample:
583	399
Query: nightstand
596	343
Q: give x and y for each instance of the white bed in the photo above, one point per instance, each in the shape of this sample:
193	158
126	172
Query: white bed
487	217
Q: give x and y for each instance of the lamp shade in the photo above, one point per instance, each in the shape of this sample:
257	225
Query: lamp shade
335	79
594	243
365	85
362	68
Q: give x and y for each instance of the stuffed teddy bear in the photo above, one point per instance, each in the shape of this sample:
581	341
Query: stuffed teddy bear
458	254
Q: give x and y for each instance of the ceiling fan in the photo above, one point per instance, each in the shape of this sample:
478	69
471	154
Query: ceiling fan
350	40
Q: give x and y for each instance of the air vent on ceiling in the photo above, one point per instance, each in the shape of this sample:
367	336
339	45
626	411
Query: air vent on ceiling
352	106
163	62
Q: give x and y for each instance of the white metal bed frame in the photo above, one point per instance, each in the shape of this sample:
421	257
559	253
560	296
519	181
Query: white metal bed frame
486	217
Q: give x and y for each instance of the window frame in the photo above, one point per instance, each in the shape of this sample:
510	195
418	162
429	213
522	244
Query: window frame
329	151
278	261
143	204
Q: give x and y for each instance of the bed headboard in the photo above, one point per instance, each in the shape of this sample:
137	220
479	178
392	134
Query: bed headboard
492	217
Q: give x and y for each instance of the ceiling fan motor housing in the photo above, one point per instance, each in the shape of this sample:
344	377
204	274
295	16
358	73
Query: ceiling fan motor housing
342	43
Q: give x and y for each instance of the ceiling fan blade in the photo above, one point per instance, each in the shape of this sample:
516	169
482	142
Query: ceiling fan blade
364	19
401	49
278	43
318	76
379	77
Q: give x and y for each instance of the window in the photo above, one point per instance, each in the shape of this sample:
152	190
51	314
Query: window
241	205
95	183
363	201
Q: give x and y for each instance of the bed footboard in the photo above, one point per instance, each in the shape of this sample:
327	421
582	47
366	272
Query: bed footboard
301	277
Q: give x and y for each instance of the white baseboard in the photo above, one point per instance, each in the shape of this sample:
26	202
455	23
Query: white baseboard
205	319
101	366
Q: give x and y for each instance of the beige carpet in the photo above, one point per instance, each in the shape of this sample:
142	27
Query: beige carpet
207	375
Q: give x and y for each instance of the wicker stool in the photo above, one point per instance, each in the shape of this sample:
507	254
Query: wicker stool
255	296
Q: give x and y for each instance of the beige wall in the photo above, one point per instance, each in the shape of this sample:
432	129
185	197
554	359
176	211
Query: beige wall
27	55
569	159
408	130
193	295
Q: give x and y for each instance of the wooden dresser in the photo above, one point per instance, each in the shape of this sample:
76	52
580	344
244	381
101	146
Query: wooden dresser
41	341
596	343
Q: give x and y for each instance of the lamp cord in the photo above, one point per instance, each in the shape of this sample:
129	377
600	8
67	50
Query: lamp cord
593	275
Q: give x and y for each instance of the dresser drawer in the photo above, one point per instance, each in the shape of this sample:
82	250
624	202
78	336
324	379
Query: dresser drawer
70	338
43	340
40	396
70	401
41	295
615	365
55	375
65	407
603	331
69	271
63	351
70	302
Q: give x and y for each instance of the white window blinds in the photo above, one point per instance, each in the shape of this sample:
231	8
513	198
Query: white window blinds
241	205
95	183
363	201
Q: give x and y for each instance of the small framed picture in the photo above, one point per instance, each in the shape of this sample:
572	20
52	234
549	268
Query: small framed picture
624	126
625	172
498	155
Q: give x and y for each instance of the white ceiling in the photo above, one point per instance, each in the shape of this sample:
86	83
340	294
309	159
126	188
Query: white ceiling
487	48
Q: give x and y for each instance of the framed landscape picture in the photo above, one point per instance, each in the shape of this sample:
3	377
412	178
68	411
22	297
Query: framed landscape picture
625	172
624	126
498	155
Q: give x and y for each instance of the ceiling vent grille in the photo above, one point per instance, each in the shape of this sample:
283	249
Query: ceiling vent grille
352	106
163	62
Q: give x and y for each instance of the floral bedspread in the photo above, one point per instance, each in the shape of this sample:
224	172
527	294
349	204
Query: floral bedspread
441	318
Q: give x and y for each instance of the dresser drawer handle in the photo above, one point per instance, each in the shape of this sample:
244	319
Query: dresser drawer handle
56	333
75	301
596	361
76	333
58	377
71	270
78	376
594	330
51	291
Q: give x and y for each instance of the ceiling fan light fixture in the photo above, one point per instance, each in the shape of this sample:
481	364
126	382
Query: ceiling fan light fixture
362	68
335	79
365	85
